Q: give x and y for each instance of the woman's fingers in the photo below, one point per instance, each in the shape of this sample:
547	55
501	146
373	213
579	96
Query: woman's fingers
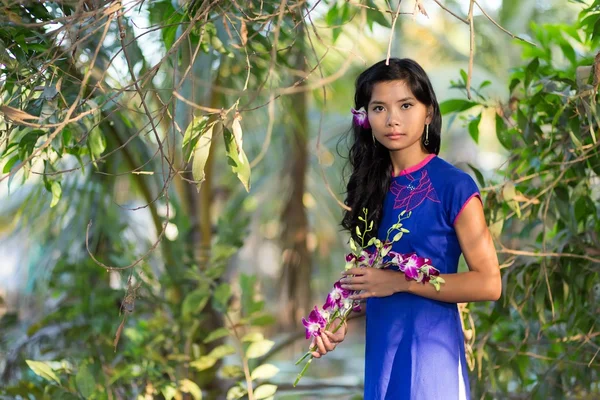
338	336
327	341
324	345
329	346
321	345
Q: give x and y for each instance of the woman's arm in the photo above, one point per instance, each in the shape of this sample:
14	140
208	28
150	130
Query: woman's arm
481	283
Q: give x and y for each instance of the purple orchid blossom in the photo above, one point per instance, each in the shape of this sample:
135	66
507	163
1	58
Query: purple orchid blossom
315	323
386	248
335	299
352	259
429	270
368	258
395	258
350	304
411	266
360	118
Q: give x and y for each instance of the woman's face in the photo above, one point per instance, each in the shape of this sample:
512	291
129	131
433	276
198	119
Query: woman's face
396	117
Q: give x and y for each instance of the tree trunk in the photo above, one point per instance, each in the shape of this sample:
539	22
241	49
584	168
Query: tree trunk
294	281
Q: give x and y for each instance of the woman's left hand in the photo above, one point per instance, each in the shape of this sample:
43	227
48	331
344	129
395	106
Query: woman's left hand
373	282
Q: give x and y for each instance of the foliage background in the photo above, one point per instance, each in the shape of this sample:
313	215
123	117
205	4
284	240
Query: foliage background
171	176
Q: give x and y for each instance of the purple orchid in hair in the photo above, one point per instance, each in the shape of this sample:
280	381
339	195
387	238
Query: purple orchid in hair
316	322
336	297
360	118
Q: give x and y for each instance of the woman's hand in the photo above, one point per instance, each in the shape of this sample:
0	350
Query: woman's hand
373	282
328	341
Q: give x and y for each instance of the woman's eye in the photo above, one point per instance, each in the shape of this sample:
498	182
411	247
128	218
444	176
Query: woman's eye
406	106
378	108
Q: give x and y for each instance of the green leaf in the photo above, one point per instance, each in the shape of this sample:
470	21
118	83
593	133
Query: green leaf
256	306
262	320
264	391
568	51
201	152
194	302
43	370
97	142
259	349
464	76
508	191
187	386
265	371
169	392
221	297
10	164
484	84
236	392
203	363
513	83
474	128
237	158
377	16
85	381
247	283
501	133
531	70
216	334
222	351
253	337
478	175
331	16
194	129
496	228
456	105
56	193
232	371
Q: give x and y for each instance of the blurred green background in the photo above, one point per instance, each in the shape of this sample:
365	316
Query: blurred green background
172	172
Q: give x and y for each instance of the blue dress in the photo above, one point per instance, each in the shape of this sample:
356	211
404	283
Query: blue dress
414	345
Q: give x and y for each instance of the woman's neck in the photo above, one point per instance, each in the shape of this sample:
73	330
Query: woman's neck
405	159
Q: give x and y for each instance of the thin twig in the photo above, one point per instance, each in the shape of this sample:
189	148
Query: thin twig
500	27
505	250
471	48
451	13
394	19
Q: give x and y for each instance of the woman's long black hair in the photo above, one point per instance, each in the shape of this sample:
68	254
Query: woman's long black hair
370	162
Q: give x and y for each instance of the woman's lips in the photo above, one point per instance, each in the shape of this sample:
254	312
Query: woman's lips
395	135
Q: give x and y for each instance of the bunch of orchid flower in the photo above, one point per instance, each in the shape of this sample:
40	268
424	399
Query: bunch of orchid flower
375	254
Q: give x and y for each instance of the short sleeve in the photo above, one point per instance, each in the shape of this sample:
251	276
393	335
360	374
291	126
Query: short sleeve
463	190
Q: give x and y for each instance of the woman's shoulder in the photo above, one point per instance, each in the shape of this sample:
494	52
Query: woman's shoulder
446	173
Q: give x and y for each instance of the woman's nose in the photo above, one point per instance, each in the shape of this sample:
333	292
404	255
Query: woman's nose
392	119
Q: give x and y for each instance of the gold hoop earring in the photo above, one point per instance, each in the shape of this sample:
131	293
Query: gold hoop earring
426	135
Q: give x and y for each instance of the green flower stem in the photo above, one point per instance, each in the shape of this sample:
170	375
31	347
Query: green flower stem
303	371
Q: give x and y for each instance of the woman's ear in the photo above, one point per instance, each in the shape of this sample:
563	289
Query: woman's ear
429	117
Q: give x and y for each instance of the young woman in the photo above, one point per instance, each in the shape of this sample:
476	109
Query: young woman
414	340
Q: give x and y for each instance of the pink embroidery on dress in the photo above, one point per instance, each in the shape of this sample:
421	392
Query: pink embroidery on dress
412	195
